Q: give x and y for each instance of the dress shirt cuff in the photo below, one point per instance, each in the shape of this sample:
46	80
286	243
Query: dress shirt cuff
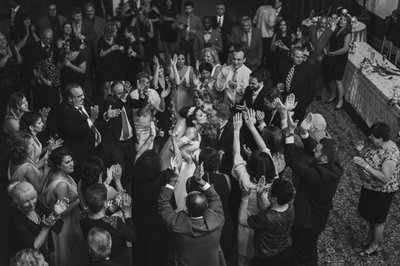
170	186
205	187
105	117
90	123
289	140
261	126
284	123
305	135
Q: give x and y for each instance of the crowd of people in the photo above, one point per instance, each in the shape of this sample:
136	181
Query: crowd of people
151	136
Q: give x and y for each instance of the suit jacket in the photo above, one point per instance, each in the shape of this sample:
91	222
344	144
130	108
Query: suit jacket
17	28
87	30
318	43
225	143
199	44
73	128
44	23
192	235
258	103
226	28
112	130
252	53
316	186
99	24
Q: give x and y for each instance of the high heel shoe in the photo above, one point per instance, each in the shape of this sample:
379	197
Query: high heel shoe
372	253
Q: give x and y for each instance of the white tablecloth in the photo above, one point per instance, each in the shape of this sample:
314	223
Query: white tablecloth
369	93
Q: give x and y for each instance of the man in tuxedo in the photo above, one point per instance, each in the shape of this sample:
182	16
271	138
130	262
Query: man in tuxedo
225	137
98	25
316	184
119	134
17	17
224	24
52	21
83	30
319	37
247	38
207	38
75	121
197	231
299	78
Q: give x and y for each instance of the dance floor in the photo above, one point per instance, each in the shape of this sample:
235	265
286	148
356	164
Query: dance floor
341	242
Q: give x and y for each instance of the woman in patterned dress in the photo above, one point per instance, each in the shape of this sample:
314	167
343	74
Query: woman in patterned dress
380	181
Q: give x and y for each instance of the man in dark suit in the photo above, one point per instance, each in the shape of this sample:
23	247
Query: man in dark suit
83	30
75	121
247	38
299	78
98	25
207	38
224	24
316	184
17	17
197	231
225	137
319	37
119	134
52	21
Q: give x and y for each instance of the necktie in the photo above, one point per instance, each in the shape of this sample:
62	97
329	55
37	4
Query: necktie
97	136
248	39
289	78
234	77
188	28
125	128
319	33
220	22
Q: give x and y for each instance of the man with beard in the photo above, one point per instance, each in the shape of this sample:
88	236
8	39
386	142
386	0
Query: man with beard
316	184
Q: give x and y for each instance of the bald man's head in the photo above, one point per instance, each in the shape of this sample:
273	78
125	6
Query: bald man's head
196	203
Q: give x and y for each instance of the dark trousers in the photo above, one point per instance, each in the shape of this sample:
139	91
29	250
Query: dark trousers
266	62
283	258
305	246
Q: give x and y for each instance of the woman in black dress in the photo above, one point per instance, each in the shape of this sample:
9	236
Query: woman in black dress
210	159
134	54
280	46
110	56
168	34
338	53
73	68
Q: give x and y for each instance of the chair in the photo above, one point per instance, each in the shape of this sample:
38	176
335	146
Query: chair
386	48
397	60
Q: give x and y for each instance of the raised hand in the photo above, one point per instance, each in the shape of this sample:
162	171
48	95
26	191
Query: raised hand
111	113
198	174
174	163
165	92
44	112
54	144
174	60
247	150
61	206
290	102
251	117
360	162
225	70
237	122
156	62
116	172
94	112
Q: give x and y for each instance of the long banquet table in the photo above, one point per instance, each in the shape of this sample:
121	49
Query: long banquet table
369	93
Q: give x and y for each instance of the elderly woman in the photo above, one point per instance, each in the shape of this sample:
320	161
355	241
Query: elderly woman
121	231
28	228
22	165
380	180
248	174
28	256
69	244
272	225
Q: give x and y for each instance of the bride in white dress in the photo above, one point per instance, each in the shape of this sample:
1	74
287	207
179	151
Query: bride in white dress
185	142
